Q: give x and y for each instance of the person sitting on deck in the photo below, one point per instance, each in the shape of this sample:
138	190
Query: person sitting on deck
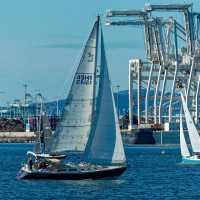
39	166
43	165
35	165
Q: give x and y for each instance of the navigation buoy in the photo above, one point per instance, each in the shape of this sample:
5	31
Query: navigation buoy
163	152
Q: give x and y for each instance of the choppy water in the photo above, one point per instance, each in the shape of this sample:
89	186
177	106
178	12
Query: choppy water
152	176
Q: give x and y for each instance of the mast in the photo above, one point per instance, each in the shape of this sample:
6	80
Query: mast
95	64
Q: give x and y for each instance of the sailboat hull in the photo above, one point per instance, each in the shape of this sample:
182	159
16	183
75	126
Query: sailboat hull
192	159
73	175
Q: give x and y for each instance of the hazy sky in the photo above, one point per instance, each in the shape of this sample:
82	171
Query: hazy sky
40	41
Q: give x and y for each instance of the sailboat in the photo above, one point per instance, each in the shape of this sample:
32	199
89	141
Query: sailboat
193	135
85	128
47	135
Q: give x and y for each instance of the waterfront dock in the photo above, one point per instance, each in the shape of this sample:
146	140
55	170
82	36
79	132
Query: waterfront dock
17	137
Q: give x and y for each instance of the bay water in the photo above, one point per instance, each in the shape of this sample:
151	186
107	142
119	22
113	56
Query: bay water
152	175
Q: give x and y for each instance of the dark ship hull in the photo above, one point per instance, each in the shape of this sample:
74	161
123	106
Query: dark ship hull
139	136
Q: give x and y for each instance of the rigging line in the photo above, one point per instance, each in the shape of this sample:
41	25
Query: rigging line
67	78
76	61
73	67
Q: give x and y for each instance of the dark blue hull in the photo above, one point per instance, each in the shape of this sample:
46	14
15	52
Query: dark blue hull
71	175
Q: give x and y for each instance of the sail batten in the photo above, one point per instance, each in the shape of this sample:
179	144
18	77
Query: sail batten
192	131
74	126
105	145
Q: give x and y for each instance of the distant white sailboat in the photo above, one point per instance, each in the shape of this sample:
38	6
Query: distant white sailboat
80	129
193	135
47	132
47	135
184	148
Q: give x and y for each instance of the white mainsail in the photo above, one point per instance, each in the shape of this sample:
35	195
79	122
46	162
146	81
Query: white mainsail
46	127
192	131
105	143
184	148
74	126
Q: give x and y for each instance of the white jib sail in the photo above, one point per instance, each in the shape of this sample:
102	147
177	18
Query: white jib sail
105	143
74	126
192	131
184	148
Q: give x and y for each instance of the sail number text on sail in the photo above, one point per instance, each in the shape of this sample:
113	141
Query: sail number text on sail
90	57
84	79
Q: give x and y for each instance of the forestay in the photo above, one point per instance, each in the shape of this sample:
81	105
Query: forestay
75	124
192	131
104	144
46	127
184	149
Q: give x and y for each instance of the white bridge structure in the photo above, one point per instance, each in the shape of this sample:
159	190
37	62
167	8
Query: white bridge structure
168	63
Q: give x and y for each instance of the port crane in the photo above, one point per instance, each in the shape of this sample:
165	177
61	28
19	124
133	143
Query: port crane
167	63
32	105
